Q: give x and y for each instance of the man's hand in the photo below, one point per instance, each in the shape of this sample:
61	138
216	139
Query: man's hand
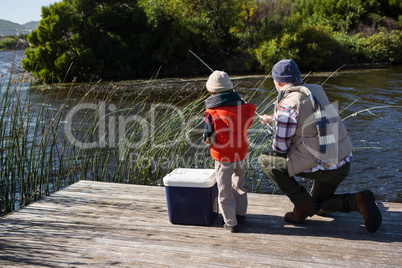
264	119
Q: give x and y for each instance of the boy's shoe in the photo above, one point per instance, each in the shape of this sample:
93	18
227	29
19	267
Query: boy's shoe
240	217
365	202
301	212
232	229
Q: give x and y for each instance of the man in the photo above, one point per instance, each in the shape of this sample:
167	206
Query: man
311	142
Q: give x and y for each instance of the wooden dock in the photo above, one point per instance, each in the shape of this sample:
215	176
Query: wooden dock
104	224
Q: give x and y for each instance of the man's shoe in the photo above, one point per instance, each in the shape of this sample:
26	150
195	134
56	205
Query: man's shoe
232	229
365	202
301	212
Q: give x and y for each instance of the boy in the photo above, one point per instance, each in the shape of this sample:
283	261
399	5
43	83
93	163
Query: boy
227	118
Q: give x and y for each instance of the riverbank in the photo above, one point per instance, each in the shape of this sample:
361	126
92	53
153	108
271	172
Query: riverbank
162	87
158	88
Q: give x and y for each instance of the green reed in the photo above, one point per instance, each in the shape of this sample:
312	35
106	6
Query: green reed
38	157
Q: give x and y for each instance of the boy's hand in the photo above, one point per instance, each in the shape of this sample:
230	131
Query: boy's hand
264	119
209	141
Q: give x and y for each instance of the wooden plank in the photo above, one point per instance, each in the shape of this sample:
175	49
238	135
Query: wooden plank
105	224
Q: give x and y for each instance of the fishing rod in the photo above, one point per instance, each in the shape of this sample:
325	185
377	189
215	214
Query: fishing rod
270	129
198	58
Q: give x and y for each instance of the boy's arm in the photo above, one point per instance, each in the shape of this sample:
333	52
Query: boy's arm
209	130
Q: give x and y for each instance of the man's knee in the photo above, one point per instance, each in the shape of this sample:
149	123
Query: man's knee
264	161
268	162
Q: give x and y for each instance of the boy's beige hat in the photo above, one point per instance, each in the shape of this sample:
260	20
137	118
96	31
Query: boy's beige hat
218	82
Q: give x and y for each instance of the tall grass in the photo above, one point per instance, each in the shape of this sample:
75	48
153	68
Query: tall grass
127	140
50	138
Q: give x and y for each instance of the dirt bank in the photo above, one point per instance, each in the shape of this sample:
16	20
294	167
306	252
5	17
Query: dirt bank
156	88
162	88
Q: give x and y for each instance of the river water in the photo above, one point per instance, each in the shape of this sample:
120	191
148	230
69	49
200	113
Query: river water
375	133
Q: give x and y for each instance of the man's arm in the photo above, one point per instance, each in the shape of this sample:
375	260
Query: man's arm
286	123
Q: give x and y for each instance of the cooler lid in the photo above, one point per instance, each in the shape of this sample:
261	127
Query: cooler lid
190	177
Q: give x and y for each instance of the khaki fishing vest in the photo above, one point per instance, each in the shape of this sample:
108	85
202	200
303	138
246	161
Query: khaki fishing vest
304	151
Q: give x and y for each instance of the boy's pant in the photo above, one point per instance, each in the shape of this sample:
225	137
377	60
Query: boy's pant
231	194
323	190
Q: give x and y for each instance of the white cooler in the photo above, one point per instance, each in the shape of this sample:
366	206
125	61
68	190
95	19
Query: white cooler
192	196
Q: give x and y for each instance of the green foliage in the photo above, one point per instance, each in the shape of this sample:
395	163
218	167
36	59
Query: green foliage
346	15
117	35
13	42
8	43
85	40
260	21
171	37
302	46
353	48
211	22
51	43
213	18
381	47
88	40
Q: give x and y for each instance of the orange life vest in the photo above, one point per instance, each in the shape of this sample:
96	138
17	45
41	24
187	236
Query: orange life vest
230	126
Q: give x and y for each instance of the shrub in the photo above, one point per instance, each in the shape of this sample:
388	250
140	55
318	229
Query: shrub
8	44
385	47
311	46
274	50
380	47
354	49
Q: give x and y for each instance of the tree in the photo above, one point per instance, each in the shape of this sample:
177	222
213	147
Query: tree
213	18
87	40
90	39
346	15
52	44
171	38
